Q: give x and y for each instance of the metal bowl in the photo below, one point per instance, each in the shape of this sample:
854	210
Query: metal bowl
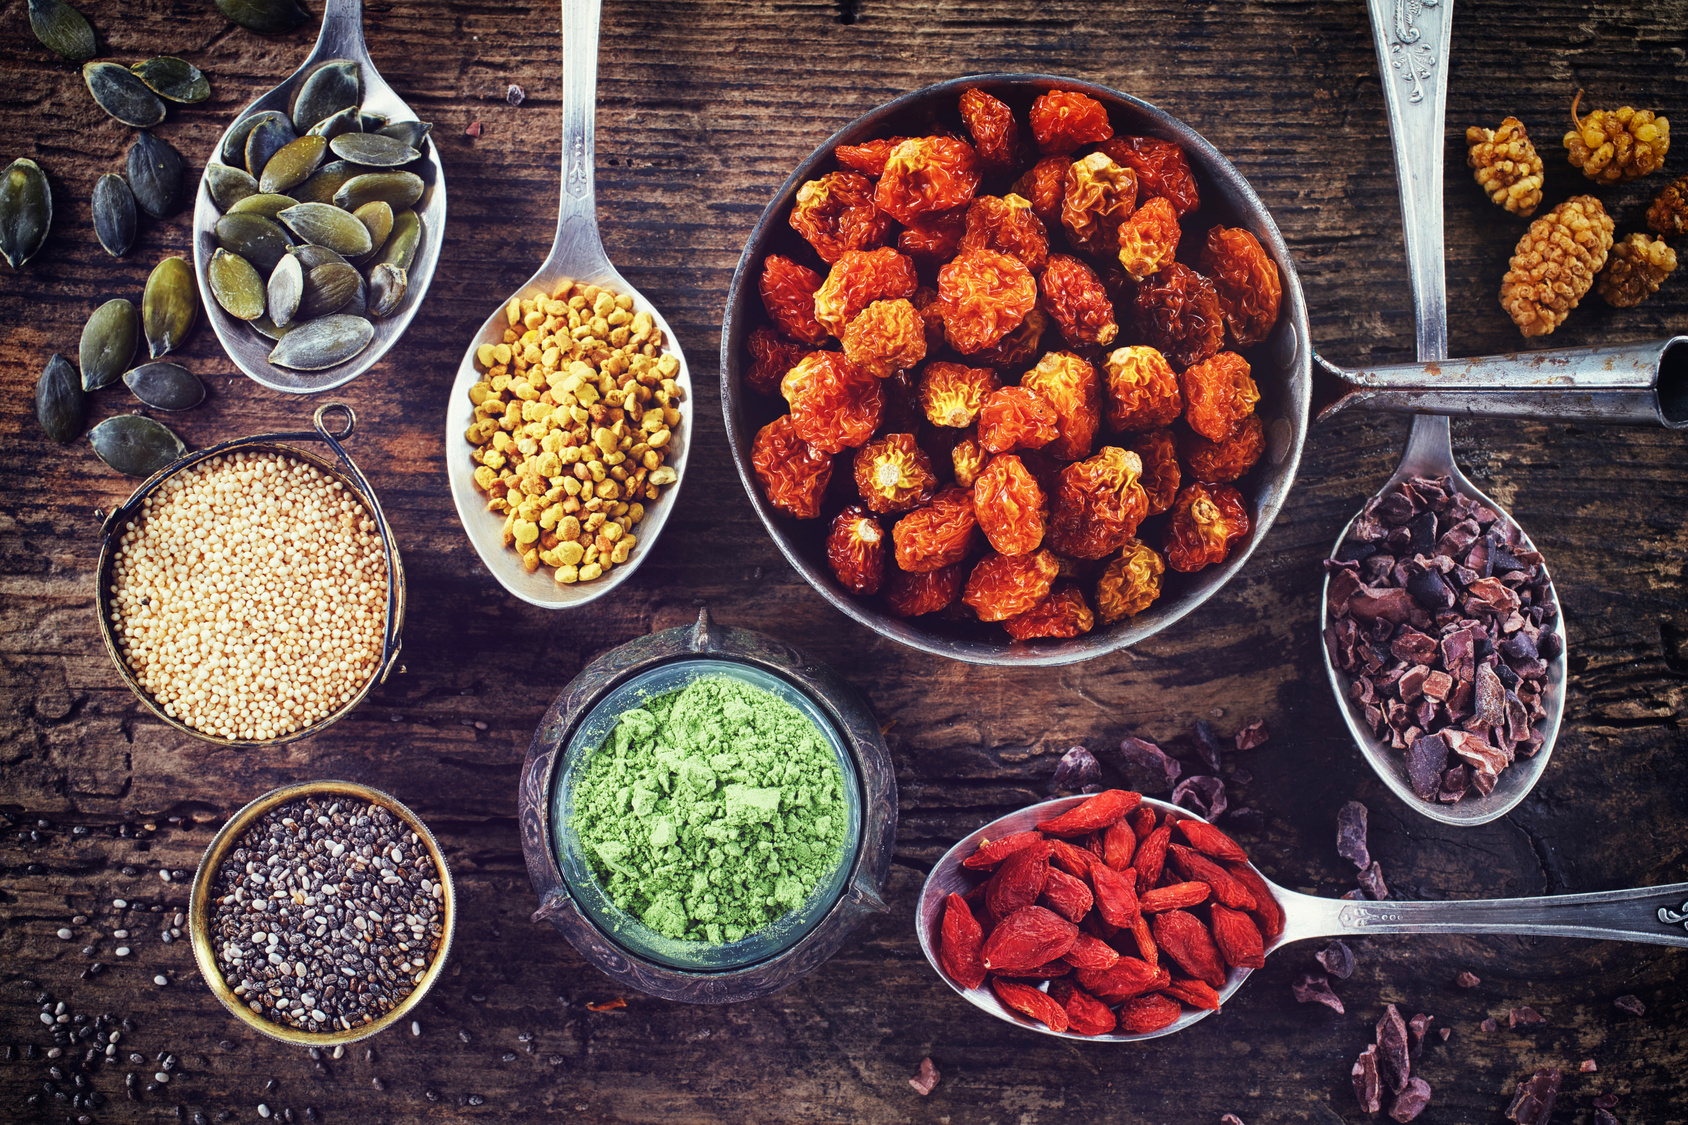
225	840
1282	366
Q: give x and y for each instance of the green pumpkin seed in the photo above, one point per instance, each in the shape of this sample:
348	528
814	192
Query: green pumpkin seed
412	133
323	343
310	257
235	285
373	150
266	17
174	79
269	206
268	137
62	29
259	240
371	122
108	344
169	306
285	290
114	214
386	289
165	386
327	289
59	401
266	327
292	165
377	218
329	88
346	121
399	189
26	211
157	176
400	249
135	445
121	94
359	304
234	141
323	224
320	188
229	185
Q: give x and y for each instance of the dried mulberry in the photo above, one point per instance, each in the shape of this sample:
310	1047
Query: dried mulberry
1010	506
941	533
1142	390
855	550
836	213
927	174
834	404
1069	384
985	295
893	474
1669	212
1099	196
1613	145
1062	120
911	595
1555	263
1003	586
886	337
1634	270
1148	240
953	395
771	356
1064	613
793	474
1507	167
1098	504
857	279
1075	300
1008	224
1130	583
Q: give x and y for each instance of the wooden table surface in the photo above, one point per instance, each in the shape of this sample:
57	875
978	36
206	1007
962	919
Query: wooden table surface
704	108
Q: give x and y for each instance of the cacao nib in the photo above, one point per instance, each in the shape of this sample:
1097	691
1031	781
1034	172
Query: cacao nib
1314	988
1147	768
926	1080
1410	1102
1351	834
1371	881
1230	1119
1605	1101
1490	1024
1630	1004
1523	1017
1392	1061
1077	772
1604	1117
1253	735
1204	796
1587	1066
1468	979
1368	1088
1427	756
1444	1033
1416	1028
1337	959
1533	1103
1207	745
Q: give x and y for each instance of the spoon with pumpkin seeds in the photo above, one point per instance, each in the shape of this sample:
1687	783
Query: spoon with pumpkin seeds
318	222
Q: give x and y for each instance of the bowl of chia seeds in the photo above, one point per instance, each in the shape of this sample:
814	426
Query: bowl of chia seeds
322	913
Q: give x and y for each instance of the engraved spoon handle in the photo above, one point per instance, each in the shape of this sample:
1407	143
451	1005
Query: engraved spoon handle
578	245
341	36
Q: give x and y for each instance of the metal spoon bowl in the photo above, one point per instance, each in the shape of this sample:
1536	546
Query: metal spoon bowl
341	38
577	253
1655	915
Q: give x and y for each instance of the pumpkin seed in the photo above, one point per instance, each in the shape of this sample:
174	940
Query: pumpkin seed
117	91
59	401
400	249
346	121
310	257
268	137
157	176
386	289
373	150
62	30
169	306
359	304
400	189
327	289
371	122
266	17
329	88
174	79
165	386
328	179
377	218
259	240
234	141
292	165
114	214
412	133
286	288
326	225
235	285
264	326
269	206
108	344
322	343
26	211
135	445
229	185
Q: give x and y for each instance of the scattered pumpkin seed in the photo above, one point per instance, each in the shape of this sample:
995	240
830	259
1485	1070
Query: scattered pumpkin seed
117	91
292	165
348	120
400	249
169	306
329	88
234	141
323	224
165	386
229	185
114	214
62	29
412	133
327	289
266	17
386	289
236	285
108	344
174	79
286	289
399	189
259	240
320	188
323	343
135	445
268	137
26	211
59	401
157	176
377	218
269	206
373	150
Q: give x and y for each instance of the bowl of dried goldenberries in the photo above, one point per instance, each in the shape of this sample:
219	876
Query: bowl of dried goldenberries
1014	369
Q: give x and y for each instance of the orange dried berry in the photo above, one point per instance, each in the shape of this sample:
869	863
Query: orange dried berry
1148	241
934	238
925	302
1142	392
1063	120
995	133
1178	312
1010	506
984	295
788	293
1075	300
1221	462
1161	475
886	337
952	394
1043	185
1016	418
1063	613
967	459
927	174
834	404
856	550
1098	504
1130	583
1019	347
771	356
1247	282
1206	520
836	213
1003	586
1098	197
912	595
938	535
893	474
1070	385
1007	223
856	280
1219	394
793	474
869	157
1161	168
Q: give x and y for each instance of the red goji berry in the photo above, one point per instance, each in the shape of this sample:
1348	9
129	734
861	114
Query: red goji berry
1028	938
1197	994
1099	811
1019	880
1226	889
1183	938
1089	952
1208	840
1267	911
1087	1015
961	941
992	852
1031	1002
1174	897
1116	898
1066	895
1238	938
1119	842
1148	1013
1128	977
1151	857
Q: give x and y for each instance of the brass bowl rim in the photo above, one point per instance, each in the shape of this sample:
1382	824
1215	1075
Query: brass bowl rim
223	842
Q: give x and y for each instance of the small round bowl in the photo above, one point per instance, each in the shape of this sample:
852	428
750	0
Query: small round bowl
199	911
949	877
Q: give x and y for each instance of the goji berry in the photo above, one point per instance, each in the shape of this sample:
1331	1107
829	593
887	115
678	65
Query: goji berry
788	293
834	404
912	595
1073	860
938	535
1087	1015
1002	586
793	474
1030	1002
1210	841
927	174
1174	896
1238	938
1145	939
1018	882
836	213
1092	953
1226	889
1197	994
961	944
1105	808
990	853
1067	896
1143	823
1062	120
1147	1014
1027	939
1183	938
1151	857
1267	910
1116	898
1128	977
1119	842
855	550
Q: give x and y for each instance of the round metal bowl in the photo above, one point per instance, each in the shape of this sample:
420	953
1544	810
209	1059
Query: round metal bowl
616	943
1282	366
199	905
341	469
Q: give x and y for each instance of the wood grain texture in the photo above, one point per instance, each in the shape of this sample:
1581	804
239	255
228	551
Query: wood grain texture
704	107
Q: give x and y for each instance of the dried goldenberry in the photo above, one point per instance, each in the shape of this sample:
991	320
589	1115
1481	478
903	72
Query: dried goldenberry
886	337
995	133
834	404
793	474
1016	418
1178	313
952	395
1098	197
967	459
1612	145
869	157
1669	212
1042	186
1148	241
1130	583
1142	391
984	295
1098	504
1205	521
1003	586
1064	613
856	551
1555	263
1506	165
925	301
1161	476
1063	120
912	595
924	175
1247	283
1070	385
836	213
1161	168
1221	462
941	533
1010	506
1019	347
934	238
1219	394
1634	270
1007	224
1074	298
771	356
856	280
788	293
893	474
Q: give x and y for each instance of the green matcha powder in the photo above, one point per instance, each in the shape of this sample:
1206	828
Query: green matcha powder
712	811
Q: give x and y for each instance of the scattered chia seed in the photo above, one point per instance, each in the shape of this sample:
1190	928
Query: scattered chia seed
65	934
263	1110
415	1028
161	980
122	951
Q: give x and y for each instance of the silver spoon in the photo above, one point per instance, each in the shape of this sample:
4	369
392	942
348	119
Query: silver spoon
1655	915
577	253
1412	54
341	37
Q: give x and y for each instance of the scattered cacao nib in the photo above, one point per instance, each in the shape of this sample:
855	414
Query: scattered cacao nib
1230	1119
1392	1061
1247	819
1490	1024
1314	988
1533	1103
1241	777
1351	835
927	1080
1368	1087
1587	1066
1468	979
1253	735
1204	796
1410	1102
1208	750
1337	959
1444	1033
1077	772
1147	768
515	95
474	129
1371	881
1604	1117
1523	1017
1416	1027
1605	1101
1356	893
1630	1004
